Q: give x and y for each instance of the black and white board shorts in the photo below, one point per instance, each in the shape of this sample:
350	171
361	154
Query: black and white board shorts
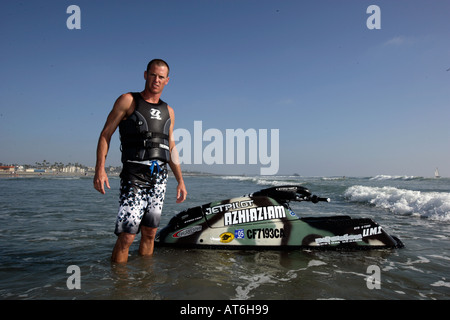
142	192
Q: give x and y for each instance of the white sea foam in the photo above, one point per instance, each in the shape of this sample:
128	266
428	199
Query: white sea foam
441	284
433	205
261	180
315	263
253	282
389	177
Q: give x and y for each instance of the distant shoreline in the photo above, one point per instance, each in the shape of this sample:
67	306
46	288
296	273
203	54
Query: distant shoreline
90	174
45	174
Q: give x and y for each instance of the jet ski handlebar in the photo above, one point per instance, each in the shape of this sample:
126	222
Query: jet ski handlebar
313	199
290	193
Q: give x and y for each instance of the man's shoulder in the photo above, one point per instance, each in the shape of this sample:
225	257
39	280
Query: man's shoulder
125	100
126	97
124	103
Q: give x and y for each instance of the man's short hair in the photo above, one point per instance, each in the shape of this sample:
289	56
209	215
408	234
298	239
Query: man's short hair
158	62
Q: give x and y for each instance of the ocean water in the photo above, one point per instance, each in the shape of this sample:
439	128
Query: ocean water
50	223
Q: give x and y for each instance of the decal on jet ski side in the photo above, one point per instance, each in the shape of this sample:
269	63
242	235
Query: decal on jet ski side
346	238
253	215
187	232
227	206
266	233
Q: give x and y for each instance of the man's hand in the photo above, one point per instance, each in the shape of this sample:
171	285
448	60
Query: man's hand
181	192
100	179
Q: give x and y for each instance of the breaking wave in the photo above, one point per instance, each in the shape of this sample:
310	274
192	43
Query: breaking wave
432	205
388	177
263	180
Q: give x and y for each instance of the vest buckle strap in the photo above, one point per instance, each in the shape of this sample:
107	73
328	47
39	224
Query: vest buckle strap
154	164
147	135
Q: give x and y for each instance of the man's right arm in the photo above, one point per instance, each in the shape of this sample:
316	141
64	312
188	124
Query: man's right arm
120	110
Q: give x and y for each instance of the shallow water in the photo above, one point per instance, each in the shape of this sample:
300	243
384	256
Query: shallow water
50	223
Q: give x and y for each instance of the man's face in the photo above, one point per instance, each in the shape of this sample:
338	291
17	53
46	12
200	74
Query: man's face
157	78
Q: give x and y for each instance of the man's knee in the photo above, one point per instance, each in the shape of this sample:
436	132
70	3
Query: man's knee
125	240
148	233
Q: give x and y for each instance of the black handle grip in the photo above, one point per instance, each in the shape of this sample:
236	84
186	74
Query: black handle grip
315	199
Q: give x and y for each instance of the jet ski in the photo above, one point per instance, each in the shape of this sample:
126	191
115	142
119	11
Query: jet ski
264	220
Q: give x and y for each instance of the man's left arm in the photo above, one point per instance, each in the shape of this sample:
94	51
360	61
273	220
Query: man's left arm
174	162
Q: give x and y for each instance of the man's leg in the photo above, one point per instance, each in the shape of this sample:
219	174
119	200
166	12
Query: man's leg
152	218
147	241
123	243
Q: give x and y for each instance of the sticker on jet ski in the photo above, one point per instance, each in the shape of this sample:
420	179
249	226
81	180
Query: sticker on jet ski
253	215
227	206
266	233
346	238
187	232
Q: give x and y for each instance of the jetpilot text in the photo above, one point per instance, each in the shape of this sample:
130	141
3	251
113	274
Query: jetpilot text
229	206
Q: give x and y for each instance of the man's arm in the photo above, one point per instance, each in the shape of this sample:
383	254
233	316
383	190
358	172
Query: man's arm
118	113
174	162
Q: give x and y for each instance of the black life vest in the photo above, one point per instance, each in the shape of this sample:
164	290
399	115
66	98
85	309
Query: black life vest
144	135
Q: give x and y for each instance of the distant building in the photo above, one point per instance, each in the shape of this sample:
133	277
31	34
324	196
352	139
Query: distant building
7	169
73	169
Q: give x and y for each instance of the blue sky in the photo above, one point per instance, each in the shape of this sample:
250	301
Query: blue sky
347	100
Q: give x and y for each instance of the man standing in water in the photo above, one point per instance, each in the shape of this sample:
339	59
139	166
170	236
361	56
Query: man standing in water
146	132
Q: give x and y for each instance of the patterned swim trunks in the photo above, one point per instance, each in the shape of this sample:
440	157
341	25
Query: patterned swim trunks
142	191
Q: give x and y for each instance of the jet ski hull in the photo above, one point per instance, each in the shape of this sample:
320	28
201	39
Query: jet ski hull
259	221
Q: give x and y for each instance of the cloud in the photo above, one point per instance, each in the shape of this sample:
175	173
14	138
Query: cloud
399	41
286	101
